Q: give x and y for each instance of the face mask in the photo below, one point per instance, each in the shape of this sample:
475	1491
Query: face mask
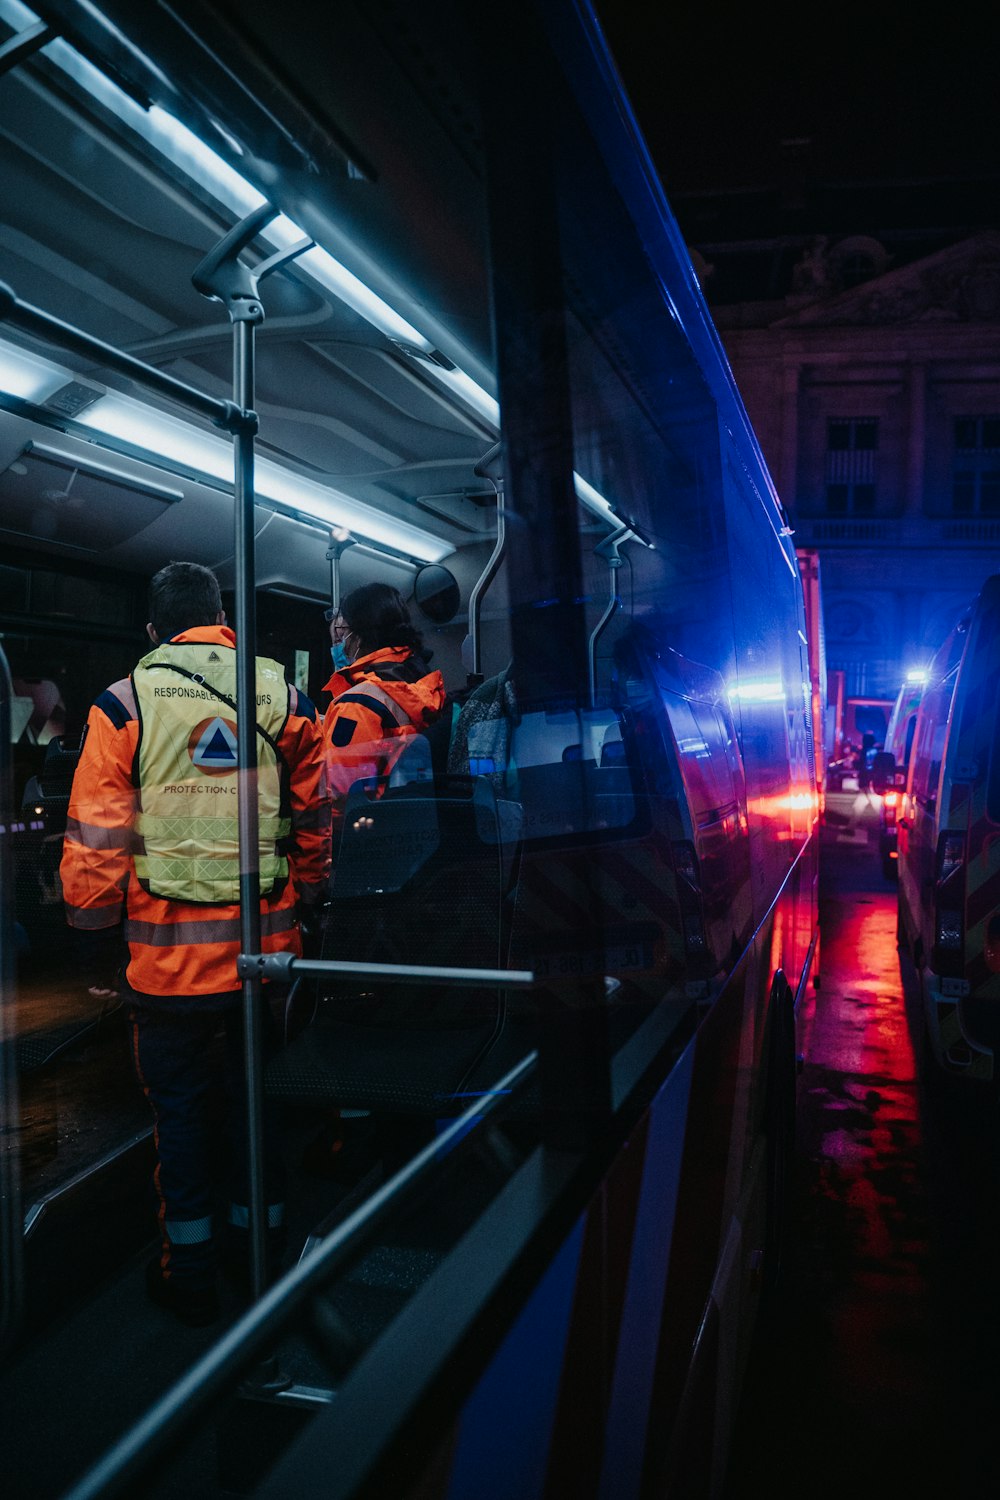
340	656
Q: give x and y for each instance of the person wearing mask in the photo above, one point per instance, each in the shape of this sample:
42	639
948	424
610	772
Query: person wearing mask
151	852
382	689
383	694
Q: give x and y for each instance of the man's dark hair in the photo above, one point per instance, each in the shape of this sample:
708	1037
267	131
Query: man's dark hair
183	595
377	614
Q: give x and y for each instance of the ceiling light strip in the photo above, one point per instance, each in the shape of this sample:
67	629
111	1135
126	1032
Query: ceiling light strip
186	151
151	435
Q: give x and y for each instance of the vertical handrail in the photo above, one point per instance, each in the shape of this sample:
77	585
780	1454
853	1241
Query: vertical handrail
340	540
482	470
241	423
248	810
222	277
11	1237
608	548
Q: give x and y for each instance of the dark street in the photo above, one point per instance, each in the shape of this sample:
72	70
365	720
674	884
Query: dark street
878	1373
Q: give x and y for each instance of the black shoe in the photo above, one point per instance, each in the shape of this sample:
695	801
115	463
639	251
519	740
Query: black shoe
197	1306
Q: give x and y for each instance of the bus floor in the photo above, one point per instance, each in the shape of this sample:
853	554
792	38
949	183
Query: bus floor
81	1380
878	1372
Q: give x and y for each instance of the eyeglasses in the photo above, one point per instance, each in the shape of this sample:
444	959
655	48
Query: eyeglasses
340	627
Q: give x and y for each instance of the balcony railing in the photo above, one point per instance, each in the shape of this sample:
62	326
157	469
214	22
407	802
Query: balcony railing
906	531
971	530
871	533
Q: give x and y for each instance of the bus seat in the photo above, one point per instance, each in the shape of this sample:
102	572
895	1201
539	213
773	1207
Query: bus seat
576	797
56	776
613	749
424	875
414	763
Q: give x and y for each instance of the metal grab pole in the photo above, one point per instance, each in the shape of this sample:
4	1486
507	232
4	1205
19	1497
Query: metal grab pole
340	540
11	1229
607	548
221	276
482	470
245	319
610	548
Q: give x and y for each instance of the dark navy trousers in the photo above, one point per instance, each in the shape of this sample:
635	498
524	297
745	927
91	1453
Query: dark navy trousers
189	1061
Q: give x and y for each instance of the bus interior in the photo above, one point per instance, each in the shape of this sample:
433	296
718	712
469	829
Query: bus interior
386	244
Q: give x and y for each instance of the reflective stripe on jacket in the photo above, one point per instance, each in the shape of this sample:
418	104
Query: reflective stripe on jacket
180	947
380	701
187	846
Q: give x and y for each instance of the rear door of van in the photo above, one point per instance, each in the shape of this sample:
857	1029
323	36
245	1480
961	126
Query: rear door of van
918	821
969	827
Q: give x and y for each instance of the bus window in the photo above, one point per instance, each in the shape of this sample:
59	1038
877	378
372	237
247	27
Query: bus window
569	773
932	723
590	932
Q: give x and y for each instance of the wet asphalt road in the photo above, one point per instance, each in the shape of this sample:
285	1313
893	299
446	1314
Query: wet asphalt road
879	1374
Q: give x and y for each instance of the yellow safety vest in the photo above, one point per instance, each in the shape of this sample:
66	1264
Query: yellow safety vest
187	844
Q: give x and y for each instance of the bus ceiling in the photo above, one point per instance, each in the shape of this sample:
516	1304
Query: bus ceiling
110	143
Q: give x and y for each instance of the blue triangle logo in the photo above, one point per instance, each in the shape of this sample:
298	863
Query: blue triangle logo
218	748
215	749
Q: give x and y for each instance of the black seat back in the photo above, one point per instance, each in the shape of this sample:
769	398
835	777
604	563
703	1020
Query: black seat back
424	875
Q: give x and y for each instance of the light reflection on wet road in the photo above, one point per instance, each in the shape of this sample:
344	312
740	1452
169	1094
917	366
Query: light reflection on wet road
881	1373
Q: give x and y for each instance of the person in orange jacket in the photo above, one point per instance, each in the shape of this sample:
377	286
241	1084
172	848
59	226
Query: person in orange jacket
383	692
383	695
151	853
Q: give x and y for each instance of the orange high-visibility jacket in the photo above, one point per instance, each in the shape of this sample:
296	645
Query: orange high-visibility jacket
379	701
180	947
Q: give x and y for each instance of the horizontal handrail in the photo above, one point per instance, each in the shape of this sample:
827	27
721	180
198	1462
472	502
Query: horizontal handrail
225	414
284	966
178	1410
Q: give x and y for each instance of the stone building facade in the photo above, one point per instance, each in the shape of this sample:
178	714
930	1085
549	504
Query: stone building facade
874	388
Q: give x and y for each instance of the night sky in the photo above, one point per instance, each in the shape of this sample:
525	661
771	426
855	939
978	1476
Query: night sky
725	93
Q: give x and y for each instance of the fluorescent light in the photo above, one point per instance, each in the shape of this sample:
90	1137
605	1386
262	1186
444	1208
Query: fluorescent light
142	426
466	388
160	435
17	15
191	155
154	432
593	500
345	285
194	157
764	691
28	376
330	505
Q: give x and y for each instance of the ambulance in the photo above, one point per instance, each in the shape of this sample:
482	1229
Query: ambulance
889	781
949	846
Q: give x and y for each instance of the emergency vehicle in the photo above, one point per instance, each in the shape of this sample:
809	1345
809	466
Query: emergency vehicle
949	846
889	782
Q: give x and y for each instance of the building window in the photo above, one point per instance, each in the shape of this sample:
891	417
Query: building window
975	488
851	452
